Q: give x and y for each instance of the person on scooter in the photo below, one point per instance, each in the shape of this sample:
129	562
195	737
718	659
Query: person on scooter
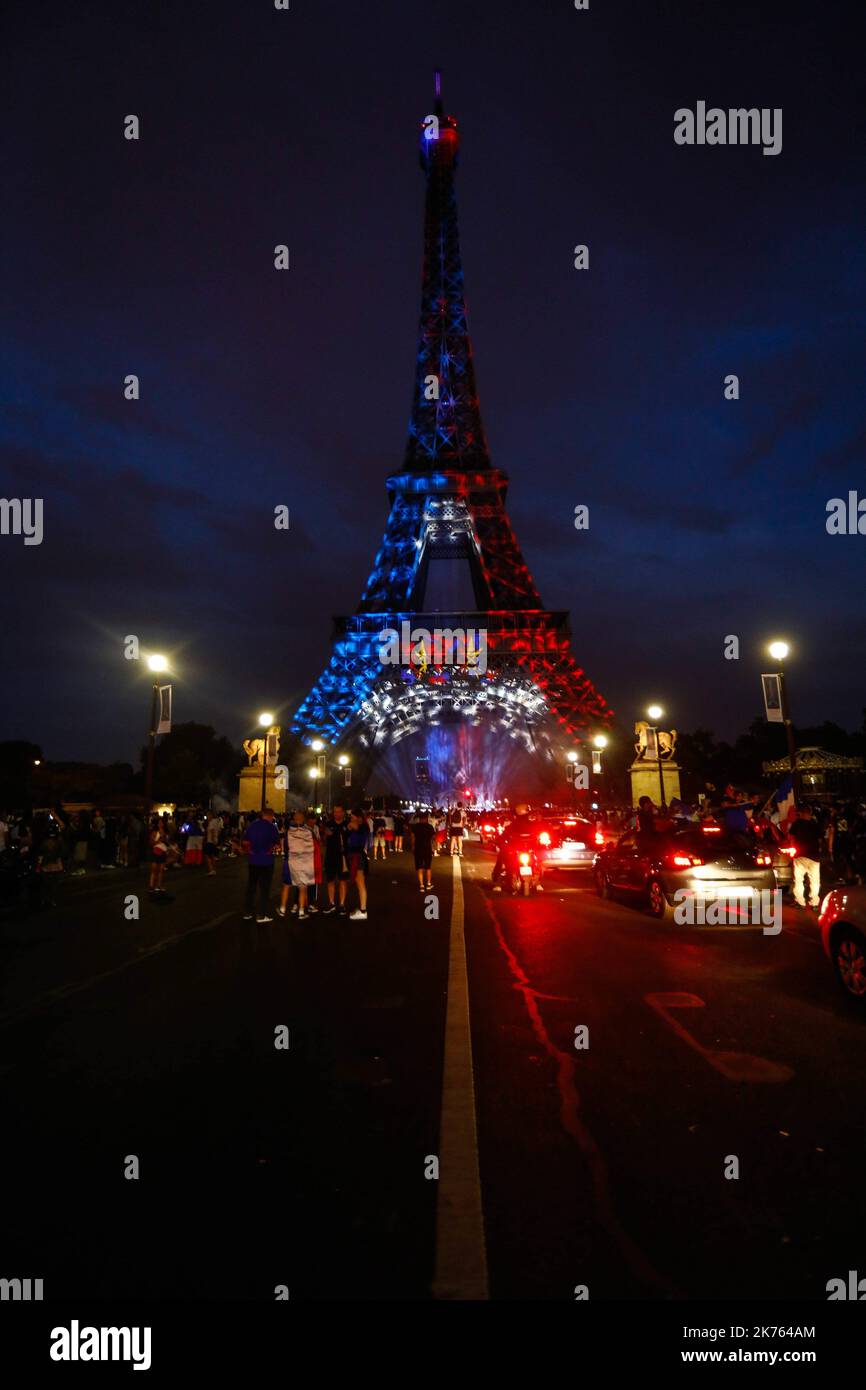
522	827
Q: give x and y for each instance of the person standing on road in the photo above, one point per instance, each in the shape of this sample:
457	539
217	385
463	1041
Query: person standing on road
379	835
300	846
358	843
805	836
336	858
422	848
212	843
455	831
399	827
261	838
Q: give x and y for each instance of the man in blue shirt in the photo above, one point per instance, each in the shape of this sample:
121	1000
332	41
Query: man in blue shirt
260	840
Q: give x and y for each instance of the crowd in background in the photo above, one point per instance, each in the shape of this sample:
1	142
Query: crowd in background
38	852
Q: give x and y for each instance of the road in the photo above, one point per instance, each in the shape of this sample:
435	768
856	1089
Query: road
561	1167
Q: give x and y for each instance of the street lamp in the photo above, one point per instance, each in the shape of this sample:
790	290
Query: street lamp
266	719
317	745
656	713
779	651
157	665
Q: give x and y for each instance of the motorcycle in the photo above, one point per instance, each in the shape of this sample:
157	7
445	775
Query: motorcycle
522	869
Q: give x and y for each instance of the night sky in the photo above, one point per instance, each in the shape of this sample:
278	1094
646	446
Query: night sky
707	516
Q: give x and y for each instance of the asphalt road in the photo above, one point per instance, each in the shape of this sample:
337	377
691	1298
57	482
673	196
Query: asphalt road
313	1166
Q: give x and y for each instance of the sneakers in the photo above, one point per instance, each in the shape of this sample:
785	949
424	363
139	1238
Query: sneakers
281	912
358	915
294	909
311	907
263	919
302	915
326	911
421	888
497	887
248	916
429	888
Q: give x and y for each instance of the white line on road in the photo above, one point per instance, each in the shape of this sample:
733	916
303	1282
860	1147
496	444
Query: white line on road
461	1257
54	996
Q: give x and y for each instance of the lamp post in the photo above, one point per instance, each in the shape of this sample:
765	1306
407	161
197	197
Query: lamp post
599	744
157	665
656	713
779	651
265	721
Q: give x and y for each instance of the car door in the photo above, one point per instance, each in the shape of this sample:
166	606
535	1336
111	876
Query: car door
621	870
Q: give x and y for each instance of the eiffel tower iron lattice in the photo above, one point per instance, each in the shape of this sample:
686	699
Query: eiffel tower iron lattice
449	565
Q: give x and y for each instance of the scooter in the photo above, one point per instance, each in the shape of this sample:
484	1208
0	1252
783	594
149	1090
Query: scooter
522	869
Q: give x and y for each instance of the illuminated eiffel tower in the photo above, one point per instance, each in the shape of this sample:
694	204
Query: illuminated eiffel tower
450	563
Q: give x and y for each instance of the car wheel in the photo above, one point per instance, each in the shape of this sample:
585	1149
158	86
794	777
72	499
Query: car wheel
849	958
602	887
659	906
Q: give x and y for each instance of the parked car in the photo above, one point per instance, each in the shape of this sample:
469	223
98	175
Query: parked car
708	861
843	935
568	842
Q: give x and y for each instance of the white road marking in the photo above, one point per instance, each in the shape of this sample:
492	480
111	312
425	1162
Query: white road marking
461	1256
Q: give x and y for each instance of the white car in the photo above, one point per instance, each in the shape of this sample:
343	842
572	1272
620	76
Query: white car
843	935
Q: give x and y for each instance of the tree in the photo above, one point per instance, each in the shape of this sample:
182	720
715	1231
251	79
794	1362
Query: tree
191	763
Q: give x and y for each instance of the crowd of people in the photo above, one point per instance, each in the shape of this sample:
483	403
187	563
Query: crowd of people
324	856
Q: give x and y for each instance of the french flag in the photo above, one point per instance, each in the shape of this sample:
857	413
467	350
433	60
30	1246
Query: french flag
785	806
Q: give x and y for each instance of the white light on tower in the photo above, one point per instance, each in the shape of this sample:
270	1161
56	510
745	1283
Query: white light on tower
343	760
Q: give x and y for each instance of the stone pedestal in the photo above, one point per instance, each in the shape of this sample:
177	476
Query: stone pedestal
250	790
645	780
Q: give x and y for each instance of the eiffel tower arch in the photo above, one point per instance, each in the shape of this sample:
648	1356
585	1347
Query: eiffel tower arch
483	692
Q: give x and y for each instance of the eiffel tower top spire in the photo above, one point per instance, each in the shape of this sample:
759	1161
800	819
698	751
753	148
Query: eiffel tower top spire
445	429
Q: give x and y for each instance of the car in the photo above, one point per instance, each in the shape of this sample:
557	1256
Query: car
783	863
708	861
842	920
489	831
569	842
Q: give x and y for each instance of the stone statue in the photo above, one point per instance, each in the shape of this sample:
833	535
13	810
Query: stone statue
255	748
666	741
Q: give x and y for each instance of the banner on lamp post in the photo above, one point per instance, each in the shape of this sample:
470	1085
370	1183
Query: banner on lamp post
772	687
164	724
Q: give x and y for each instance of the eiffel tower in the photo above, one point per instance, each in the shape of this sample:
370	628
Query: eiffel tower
450	563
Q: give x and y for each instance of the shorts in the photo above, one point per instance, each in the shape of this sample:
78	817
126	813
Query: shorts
424	861
211	850
334	872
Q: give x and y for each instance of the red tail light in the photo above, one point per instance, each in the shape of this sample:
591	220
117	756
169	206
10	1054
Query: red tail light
764	859
544	838
685	861
599	838
524	858
711	829
789	849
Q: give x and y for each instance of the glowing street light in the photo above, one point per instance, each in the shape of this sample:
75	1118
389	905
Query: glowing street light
655	713
600	741
572	757
266	720
779	650
313	772
343	760
317	745
157	665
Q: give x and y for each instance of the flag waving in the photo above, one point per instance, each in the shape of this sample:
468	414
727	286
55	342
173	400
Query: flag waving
784	806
